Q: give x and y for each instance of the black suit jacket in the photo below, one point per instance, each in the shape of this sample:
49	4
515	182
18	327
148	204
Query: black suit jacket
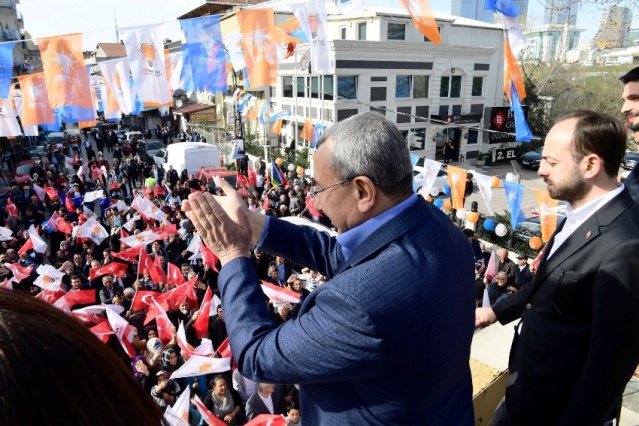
579	340
632	183
255	406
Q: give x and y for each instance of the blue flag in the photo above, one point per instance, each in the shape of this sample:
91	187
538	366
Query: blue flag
186	77
206	53
522	131
413	160
260	115
514	197
277	177
55	127
280	114
318	129
505	7
6	68
136	104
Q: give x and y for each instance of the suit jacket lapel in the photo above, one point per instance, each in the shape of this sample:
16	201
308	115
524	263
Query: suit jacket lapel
584	234
388	232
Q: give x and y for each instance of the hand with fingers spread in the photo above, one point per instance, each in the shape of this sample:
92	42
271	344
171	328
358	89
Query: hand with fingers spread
221	221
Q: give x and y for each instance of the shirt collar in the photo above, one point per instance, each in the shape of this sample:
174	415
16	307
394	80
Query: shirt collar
581	213
352	238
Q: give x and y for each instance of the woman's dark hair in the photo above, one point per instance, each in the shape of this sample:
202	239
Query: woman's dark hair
293	406
51	366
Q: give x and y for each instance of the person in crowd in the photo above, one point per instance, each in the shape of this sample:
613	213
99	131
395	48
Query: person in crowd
523	274
266	400
224	402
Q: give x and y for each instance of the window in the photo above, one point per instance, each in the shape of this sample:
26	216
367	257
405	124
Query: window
420	86
342	33
361	31
443	110
457	110
301	87
315	87
379	110
472	136
403	86
421	111
287	86
439	30
403	115
478	86
347	86
328	90
378	93
450	87
396	31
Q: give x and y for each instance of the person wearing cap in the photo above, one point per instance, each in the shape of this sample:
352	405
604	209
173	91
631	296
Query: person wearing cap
383	342
523	274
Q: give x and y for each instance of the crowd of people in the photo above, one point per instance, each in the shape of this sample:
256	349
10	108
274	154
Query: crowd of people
55	203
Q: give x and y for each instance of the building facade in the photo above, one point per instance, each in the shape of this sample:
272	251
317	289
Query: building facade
556	12
614	28
381	62
11	23
547	42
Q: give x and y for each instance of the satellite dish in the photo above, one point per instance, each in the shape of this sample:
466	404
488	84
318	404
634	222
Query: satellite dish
178	103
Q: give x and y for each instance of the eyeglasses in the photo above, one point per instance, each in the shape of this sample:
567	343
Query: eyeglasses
313	194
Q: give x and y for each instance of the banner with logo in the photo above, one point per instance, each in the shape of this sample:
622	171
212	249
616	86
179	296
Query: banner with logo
206	53
312	18
115	73
35	103
260	47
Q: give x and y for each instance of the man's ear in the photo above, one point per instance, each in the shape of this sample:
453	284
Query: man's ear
366	193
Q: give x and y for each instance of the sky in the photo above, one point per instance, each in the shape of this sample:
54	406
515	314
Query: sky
96	18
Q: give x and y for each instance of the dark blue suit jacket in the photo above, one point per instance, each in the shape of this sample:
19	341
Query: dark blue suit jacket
632	183
385	341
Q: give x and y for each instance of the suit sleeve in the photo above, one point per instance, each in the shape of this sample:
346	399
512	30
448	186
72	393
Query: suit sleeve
303	245
334	341
613	353
511	308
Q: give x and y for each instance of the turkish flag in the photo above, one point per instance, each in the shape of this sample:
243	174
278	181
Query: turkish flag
143	299
268	420
174	298
19	272
130	255
69	203
158	190
252	178
209	258
26	247
224	350
11	208
113	268
50	296
102	331
175	276
157	312
75	297
156	272
201	324
51	192
242	181
164	231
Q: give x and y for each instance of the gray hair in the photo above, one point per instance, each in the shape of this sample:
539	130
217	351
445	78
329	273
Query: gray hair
369	145
263	385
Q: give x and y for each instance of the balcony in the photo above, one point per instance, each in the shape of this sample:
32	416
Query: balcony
10	35
9	3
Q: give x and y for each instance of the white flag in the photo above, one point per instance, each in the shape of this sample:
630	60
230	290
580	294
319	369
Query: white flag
116	77
141	239
31	130
516	37
235	49
93	195
484	183
431	170
68	162
5	234
8	123
145	51
178	415
41	193
87	212
120	206
349	7
198	365
131	223
176	62
38	243
91	229
312	18
49	278
124	331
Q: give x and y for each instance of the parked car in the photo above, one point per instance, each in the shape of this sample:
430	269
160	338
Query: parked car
440	180
22	175
531	159
37	152
148	149
206	174
630	160
532	227
129	136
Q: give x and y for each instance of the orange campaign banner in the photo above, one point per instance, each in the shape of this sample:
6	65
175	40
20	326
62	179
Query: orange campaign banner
512	72
308	131
277	127
35	103
457	183
65	72
547	213
260	46
423	18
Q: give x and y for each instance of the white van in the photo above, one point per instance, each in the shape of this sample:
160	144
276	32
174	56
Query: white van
188	155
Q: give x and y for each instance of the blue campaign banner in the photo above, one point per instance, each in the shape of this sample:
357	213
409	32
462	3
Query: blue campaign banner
205	53
522	131
514	197
6	68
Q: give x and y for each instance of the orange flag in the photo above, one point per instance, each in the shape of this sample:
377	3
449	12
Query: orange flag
277	127
457	183
35	103
65	72
260	45
423	18
308	131
547	213
512	72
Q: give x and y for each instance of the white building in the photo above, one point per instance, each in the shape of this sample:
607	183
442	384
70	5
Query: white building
547	42
380	61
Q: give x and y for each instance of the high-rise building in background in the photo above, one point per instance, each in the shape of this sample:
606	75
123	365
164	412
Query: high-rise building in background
557	11
614	28
472	9
523	16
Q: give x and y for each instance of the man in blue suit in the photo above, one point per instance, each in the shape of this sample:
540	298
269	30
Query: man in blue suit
386	341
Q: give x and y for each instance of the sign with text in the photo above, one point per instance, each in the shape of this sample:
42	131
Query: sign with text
501	121
504	154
